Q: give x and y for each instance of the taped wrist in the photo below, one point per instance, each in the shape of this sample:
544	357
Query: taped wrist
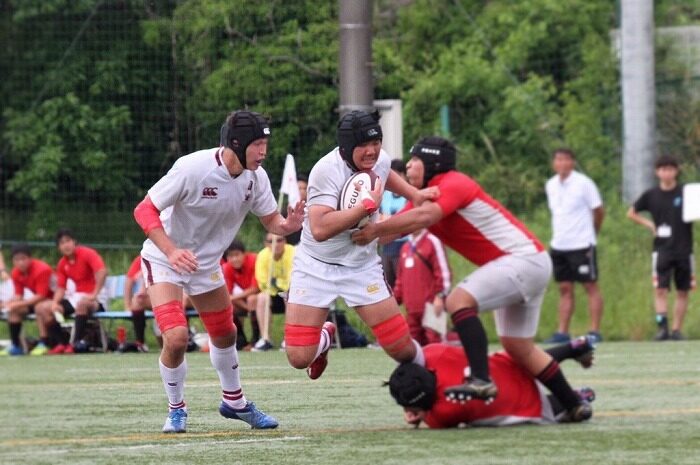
368	202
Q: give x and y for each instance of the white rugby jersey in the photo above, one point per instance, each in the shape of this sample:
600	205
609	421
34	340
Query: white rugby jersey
326	180
202	206
572	203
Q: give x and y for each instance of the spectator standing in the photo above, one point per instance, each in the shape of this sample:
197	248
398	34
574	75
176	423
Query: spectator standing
27	274
672	254
423	281
392	203
577	215
273	271
86	268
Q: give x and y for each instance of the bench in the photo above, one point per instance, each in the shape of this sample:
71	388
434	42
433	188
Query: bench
112	290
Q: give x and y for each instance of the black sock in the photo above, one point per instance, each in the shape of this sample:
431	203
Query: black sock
15	330
139	321
554	380
45	340
473	336
80	325
662	321
241	340
55	334
568	350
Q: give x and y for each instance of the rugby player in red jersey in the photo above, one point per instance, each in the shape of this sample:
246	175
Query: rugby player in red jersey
512	275
521	398
31	274
239	274
84	266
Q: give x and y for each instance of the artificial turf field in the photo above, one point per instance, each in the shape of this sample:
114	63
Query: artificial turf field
110	408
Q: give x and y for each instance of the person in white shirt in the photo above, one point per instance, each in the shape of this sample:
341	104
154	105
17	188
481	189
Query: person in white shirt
190	217
577	215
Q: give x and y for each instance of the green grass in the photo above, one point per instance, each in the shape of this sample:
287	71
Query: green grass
110	408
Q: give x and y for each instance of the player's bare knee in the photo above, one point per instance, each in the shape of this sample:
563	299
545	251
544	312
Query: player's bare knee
402	351
175	341
299	358
223	342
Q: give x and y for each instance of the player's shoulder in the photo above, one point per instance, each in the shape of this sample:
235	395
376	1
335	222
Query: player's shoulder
551	182
85	250
40	265
452	181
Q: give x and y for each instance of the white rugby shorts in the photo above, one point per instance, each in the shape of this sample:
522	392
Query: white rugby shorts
199	282
512	286
318	284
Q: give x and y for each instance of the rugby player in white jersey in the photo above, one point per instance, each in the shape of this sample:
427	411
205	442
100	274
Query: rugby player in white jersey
327	264
190	216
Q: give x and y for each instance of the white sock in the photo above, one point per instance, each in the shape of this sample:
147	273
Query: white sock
174	384
324	343
419	358
225	361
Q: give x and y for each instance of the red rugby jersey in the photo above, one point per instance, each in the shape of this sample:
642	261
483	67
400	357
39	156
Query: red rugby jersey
475	225
518	397
37	279
243	277
81	269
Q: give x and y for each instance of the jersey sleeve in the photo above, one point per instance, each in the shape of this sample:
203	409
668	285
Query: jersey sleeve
94	260
592	195
323	188
455	193
263	200
642	203
43	283
170	188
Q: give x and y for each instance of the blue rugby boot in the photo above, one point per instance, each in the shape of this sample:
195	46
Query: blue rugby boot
176	421
249	414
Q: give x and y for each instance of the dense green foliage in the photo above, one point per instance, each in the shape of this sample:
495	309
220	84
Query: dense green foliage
100	96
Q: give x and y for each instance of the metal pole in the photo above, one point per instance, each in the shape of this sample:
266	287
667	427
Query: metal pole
638	96
355	60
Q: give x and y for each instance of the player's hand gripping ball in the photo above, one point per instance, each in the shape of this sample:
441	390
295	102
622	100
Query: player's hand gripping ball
350	196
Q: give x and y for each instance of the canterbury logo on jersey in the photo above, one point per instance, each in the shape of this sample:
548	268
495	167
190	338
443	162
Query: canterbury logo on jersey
209	192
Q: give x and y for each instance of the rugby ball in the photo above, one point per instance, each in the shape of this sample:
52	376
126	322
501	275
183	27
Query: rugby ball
350	196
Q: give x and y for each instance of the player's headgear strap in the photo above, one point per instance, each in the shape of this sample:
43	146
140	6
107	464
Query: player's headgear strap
240	129
356	128
412	385
438	155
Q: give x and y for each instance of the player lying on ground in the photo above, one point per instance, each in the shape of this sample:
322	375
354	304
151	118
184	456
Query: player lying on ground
521	399
327	264
512	275
206	196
